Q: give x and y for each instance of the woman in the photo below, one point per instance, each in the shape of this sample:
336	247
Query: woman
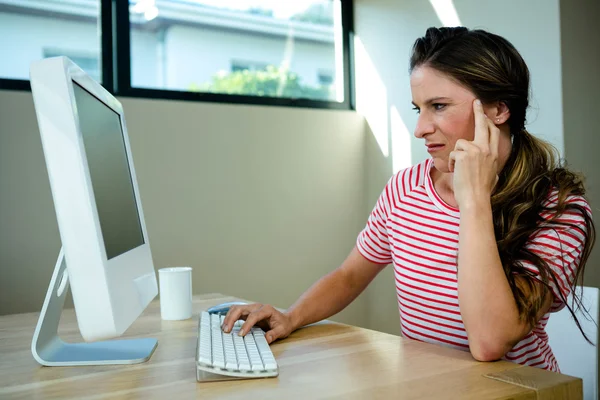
487	237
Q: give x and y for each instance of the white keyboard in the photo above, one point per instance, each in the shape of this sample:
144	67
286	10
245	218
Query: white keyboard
222	356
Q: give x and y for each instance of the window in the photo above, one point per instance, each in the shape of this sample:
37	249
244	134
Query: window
243	51
36	29
193	42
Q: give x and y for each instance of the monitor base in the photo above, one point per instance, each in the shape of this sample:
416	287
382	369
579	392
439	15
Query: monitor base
49	350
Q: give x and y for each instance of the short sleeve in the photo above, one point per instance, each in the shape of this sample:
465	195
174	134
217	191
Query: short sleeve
560	246
373	241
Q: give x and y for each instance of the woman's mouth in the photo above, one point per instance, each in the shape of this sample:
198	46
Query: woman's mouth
432	148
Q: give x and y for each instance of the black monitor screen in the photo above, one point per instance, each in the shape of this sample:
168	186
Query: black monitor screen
110	174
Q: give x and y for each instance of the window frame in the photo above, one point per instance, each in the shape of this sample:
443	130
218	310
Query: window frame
115	66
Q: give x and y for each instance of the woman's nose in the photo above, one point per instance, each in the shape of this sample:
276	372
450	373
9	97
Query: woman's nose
424	126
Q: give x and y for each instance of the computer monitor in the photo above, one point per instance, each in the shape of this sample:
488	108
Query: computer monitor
105	256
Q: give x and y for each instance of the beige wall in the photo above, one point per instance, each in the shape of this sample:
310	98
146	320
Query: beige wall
385	33
580	41
260	201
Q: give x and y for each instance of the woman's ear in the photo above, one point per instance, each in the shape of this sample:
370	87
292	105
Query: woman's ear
501	114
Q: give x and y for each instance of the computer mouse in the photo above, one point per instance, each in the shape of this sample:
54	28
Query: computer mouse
223	308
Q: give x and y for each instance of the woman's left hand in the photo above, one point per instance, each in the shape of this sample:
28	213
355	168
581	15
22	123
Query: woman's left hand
475	164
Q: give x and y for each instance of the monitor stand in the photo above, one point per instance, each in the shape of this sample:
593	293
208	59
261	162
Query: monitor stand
48	349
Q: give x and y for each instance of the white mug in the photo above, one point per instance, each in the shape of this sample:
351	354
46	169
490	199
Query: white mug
175	293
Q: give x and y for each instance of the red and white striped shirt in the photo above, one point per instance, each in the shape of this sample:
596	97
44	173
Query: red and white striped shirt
413	228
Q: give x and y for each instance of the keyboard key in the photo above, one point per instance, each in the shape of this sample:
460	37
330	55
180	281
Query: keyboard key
255	359
261	342
269	365
242	355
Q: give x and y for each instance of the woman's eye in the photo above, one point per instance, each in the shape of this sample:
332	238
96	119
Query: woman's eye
417	110
438	106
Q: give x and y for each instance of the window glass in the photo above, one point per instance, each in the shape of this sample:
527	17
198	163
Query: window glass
270	48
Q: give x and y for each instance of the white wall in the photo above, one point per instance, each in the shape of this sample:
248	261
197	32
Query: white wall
261	201
385	33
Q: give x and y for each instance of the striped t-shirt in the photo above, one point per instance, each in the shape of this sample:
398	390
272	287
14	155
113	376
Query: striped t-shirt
413	228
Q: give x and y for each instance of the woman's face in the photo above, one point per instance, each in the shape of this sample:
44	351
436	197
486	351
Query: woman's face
445	113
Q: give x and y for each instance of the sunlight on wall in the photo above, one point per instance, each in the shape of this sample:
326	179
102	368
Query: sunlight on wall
371	96
401	150
446	12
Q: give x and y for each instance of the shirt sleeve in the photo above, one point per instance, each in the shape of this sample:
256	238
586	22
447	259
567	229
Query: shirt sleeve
560	246
373	241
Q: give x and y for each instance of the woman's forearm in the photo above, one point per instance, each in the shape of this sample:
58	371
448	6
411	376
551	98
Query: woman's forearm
328	296
487	304
333	292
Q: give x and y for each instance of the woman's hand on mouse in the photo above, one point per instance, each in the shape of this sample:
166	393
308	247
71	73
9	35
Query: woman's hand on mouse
277	325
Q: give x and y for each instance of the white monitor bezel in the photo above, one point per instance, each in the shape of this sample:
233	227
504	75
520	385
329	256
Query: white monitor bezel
108	294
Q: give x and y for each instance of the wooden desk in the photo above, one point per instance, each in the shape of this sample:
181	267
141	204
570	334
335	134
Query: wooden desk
325	360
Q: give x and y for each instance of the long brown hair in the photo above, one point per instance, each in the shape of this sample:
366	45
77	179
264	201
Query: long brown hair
494	71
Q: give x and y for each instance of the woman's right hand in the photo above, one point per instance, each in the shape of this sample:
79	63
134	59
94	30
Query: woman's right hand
277	325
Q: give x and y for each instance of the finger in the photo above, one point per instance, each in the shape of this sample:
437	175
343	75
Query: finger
275	334
463	145
253	318
452	161
454	158
482	136
235	313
